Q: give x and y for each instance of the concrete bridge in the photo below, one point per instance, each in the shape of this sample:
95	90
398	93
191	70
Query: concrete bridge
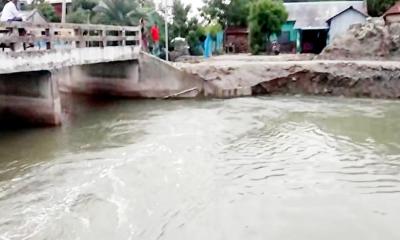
88	59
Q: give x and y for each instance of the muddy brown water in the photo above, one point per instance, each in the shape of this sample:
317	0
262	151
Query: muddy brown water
248	168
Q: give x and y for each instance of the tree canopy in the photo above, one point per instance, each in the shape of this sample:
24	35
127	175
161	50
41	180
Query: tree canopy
2	3
233	13
379	7
180	14
266	18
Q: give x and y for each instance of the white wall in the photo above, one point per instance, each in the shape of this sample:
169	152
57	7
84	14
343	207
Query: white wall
393	18
342	23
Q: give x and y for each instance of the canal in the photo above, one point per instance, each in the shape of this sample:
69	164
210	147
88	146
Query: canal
248	168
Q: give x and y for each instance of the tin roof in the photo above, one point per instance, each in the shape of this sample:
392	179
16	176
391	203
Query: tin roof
393	10
348	9
314	15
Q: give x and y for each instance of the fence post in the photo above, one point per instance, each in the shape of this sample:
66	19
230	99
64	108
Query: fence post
78	34
13	32
104	37
123	34
49	34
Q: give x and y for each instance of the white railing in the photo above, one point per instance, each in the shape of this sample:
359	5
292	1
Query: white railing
20	36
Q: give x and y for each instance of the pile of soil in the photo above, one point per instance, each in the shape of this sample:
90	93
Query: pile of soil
373	40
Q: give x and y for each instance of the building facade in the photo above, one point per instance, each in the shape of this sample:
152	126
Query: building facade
340	23
317	23
393	14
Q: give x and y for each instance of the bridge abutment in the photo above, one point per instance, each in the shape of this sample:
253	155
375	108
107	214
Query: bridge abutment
145	77
104	79
32	97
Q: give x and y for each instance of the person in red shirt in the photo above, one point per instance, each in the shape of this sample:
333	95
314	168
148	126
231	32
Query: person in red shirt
155	36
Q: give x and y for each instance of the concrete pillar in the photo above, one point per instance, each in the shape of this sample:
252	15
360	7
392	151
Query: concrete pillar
32	97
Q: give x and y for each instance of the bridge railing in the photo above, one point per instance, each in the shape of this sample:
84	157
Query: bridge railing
20	36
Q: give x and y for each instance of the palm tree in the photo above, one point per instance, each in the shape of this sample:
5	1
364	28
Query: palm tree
120	12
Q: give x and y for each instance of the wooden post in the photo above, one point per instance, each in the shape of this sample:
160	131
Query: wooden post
104	37
123	34
49	34
13	32
78	34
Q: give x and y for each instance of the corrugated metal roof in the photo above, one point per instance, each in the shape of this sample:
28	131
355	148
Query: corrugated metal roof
393	10
313	15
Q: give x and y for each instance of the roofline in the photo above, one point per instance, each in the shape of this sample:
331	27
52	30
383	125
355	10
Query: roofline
390	14
351	7
320	2
312	28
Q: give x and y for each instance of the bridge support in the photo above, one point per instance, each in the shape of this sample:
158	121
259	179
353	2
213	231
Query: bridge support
31	97
146	77
103	79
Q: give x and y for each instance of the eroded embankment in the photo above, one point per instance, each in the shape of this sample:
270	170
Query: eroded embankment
330	78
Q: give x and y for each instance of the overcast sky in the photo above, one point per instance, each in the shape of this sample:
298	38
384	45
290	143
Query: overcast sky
195	4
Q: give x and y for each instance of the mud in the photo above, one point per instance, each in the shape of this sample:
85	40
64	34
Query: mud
227	77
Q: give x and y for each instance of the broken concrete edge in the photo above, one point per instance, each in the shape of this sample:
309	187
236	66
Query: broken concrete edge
371	79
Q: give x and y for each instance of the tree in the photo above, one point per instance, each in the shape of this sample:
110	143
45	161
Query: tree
266	18
180	14
2	3
119	12
227	13
195	37
377	8
237	13
82	11
46	10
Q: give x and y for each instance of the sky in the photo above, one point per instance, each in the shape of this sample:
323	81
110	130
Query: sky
195	4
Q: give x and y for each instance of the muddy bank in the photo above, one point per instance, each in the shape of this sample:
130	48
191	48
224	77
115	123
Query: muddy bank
374	40
242	77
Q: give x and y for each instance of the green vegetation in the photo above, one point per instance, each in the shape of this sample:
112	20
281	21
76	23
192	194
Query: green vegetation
82	11
180	24
266	18
213	28
379	7
119	12
234	13
47	11
2	3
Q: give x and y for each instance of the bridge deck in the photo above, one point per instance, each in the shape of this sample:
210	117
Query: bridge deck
50	46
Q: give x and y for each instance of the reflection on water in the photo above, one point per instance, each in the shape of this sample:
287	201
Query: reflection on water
250	168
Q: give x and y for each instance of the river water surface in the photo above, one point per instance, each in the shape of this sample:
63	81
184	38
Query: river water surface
250	168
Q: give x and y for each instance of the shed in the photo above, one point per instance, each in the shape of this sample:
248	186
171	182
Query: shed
342	21
57	5
393	14
236	39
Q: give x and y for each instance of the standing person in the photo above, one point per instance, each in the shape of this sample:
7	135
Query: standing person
10	12
144	35
155	35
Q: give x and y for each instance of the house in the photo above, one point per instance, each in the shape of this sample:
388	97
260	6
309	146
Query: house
309	28
236	40
342	21
57	5
393	14
311	24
